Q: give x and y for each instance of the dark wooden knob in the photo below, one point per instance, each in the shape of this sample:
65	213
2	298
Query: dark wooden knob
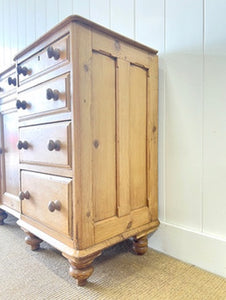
1	89
54	145
53	52
22	70
52	94
24	195
54	205
12	81
21	104
22	145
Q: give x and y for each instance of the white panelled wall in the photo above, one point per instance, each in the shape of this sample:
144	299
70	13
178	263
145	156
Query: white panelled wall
190	36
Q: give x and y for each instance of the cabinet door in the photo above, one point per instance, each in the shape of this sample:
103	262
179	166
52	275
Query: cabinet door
9	159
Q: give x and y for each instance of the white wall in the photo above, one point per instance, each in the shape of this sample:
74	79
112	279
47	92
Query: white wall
190	36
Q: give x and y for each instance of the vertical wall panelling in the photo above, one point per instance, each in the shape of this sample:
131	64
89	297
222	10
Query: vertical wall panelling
52	13
40	17
214	209
1	35
65	9
184	112
29	15
192	105
100	16
122	17
13	27
149	22
7	33
82	8
21	25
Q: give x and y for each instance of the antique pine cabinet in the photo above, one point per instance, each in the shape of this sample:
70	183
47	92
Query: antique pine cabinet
79	142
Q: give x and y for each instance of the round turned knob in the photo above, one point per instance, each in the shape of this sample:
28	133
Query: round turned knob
22	145
51	52
24	195
54	145
1	151
54	205
22	70
52	94
1	89
21	104
12	81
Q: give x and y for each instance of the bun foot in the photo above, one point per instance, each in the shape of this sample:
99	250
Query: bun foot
32	240
81	268
3	216
140	246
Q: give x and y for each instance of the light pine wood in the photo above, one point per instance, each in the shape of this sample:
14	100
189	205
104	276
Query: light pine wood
37	102
41	63
137	152
123	137
88	178
52	188
83	208
103	126
9	166
81	268
38	138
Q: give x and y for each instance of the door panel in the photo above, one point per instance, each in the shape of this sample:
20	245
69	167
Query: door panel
103	124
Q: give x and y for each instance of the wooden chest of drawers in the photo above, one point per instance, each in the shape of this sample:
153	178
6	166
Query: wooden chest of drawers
84	149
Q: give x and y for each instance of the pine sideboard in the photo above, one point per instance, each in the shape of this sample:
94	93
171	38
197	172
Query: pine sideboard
78	142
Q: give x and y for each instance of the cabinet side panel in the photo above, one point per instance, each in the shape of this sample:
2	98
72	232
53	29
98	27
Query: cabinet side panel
152	145
103	124
138	134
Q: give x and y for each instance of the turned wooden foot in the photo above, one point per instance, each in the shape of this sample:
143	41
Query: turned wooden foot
81	268
140	246
3	216
32	240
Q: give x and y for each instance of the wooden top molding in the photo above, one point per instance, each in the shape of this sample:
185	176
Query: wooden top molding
7	70
83	21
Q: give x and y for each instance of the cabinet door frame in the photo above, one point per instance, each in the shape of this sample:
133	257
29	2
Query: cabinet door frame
10	201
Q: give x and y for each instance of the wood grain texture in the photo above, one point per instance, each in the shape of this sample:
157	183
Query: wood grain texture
123	137
103	127
88	175
137	124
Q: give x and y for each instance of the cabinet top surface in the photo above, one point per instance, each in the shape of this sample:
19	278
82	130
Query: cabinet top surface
80	20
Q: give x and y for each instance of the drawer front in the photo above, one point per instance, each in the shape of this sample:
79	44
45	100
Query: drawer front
47	144
50	96
45	189
8	83
43	61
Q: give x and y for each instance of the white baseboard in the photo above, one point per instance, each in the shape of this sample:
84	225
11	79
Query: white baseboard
196	248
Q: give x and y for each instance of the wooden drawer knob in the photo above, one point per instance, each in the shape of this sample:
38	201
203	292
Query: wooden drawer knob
1	89
21	104
21	70
52	94
12	81
1	151
24	195
54	205
54	145
22	145
51	52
